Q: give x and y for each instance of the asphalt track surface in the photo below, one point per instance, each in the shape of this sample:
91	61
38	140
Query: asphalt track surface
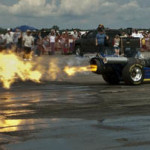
80	112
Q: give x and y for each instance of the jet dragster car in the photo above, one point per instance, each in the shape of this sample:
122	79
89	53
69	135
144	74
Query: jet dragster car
129	67
133	71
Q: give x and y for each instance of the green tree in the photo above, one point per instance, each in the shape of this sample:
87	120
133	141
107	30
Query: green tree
55	27
2	30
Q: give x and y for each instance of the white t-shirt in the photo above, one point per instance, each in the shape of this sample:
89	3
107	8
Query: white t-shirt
28	40
16	36
70	40
75	35
137	35
8	38
52	39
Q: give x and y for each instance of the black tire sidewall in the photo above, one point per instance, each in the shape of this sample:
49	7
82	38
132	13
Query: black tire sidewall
127	74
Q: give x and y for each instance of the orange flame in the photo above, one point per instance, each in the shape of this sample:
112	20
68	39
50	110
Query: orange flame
73	70
53	70
12	68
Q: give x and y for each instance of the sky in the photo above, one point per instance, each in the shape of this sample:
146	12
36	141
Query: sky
67	14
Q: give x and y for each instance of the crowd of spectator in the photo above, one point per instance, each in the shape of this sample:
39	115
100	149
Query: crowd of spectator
38	42
102	39
144	37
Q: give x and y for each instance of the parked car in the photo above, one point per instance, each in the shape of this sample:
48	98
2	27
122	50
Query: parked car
87	44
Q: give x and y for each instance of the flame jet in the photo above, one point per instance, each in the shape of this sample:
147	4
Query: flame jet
73	70
12	68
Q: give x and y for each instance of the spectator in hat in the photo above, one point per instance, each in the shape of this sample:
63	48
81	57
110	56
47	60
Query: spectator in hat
28	42
100	41
8	39
101	27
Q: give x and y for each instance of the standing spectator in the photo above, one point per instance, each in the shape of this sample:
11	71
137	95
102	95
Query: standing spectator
28	42
71	43
62	42
8	39
2	44
124	34
65	45
134	33
15	39
101	27
117	41
75	34
57	42
117	45
39	43
19	43
35	36
52	40
143	43
137	34
2	38
46	45
116	51
66	34
147	41
79	34
100	41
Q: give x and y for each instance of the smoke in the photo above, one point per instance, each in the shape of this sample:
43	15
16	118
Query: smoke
53	68
45	68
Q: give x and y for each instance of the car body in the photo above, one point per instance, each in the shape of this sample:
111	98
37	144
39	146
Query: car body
130	68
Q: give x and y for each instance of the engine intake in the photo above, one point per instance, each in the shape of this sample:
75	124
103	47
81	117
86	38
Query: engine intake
115	60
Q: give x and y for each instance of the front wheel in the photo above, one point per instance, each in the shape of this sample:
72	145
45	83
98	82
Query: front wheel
133	74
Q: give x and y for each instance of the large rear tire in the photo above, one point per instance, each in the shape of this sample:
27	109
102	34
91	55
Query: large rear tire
133	74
